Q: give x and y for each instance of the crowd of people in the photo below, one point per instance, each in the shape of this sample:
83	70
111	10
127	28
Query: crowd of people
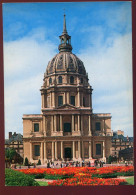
51	164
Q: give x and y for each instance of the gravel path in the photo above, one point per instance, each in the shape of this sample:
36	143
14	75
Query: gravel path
47	180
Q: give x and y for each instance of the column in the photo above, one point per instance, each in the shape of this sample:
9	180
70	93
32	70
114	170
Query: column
67	97
53	99
82	100
82	124
89	125
78	122
103	149
64	98
82	149
73	123
50	99
73	150
78	98
30	151
56	156
104	130
62	150
52	151
41	152
89	99
55	123
60	122
79	151
42	97
90	153
44	125
52	122
45	155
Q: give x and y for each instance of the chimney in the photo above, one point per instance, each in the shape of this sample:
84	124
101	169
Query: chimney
10	135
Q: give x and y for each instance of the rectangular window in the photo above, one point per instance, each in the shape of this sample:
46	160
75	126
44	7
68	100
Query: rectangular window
67	127
36	127
72	100
98	126
98	149
37	150
60	100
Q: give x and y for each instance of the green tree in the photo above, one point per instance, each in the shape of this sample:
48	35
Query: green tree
39	162
26	163
110	159
10	154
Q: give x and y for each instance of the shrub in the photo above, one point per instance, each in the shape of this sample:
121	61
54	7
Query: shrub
15	178
39	162
26	163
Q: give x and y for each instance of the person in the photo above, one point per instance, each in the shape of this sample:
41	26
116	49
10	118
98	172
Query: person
76	164
34	165
89	164
61	165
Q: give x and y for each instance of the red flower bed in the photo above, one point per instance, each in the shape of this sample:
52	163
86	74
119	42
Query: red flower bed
85	181
81	175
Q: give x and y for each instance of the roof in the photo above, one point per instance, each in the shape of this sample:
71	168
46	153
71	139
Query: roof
125	139
15	138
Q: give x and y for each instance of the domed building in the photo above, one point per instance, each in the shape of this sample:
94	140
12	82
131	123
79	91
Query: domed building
67	128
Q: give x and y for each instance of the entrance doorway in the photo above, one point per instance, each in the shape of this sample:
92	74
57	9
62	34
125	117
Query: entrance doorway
68	153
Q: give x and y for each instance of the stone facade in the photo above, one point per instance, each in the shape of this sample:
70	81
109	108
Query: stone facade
67	128
15	141
120	142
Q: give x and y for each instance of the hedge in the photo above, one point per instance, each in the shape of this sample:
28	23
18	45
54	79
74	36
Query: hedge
15	178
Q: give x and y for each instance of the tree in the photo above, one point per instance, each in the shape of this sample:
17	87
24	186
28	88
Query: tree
39	162
10	154
26	163
110	159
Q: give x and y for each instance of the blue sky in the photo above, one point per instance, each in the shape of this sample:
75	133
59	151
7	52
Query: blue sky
101	37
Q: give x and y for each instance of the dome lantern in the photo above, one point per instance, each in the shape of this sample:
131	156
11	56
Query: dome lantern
65	39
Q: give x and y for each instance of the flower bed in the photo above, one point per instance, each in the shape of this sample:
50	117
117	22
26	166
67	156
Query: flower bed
82	175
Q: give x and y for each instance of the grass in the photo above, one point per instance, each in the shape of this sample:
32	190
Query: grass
130	180
42	183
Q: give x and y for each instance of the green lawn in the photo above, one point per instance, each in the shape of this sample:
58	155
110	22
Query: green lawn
130	180
42	183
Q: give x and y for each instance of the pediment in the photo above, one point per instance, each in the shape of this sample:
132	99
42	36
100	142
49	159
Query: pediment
67	107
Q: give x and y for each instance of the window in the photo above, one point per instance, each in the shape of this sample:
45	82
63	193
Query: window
67	127
81	80
98	126
36	127
60	79
72	100
98	149
50	80
72	80
60	100
37	150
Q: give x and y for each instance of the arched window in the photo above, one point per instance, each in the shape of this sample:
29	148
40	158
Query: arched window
60	79
50	80
71	79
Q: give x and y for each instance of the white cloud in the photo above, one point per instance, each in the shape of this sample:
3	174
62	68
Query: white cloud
110	74
25	62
